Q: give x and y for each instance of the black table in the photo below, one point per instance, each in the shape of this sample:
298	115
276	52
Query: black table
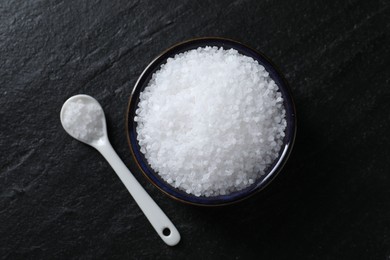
60	199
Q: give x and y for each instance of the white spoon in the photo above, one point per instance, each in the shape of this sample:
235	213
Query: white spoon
77	122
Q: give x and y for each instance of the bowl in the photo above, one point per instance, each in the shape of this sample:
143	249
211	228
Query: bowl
234	197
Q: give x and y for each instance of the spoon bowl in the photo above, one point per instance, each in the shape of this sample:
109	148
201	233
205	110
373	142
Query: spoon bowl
93	137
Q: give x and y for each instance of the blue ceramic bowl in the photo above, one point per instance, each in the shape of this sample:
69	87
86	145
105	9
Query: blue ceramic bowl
180	195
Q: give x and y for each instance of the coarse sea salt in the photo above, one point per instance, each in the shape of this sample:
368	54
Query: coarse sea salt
211	121
83	119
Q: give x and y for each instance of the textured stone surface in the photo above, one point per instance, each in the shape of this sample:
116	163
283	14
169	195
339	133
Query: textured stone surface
60	199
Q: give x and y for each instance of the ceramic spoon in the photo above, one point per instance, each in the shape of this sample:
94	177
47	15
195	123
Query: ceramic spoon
160	222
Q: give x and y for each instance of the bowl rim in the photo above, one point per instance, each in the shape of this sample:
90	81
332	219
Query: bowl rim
282	159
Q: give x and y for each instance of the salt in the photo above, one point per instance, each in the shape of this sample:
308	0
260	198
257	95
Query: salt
83	119
211	121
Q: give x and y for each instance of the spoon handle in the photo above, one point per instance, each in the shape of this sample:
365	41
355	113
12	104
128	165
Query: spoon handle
160	222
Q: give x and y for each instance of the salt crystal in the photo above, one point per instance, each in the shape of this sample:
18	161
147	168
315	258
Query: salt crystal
83	119
211	121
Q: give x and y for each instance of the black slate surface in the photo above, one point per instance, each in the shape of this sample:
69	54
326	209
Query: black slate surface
59	199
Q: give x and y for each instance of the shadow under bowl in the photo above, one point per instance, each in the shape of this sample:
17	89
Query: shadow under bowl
236	196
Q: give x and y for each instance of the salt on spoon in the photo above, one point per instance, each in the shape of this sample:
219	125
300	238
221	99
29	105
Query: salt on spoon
83	118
